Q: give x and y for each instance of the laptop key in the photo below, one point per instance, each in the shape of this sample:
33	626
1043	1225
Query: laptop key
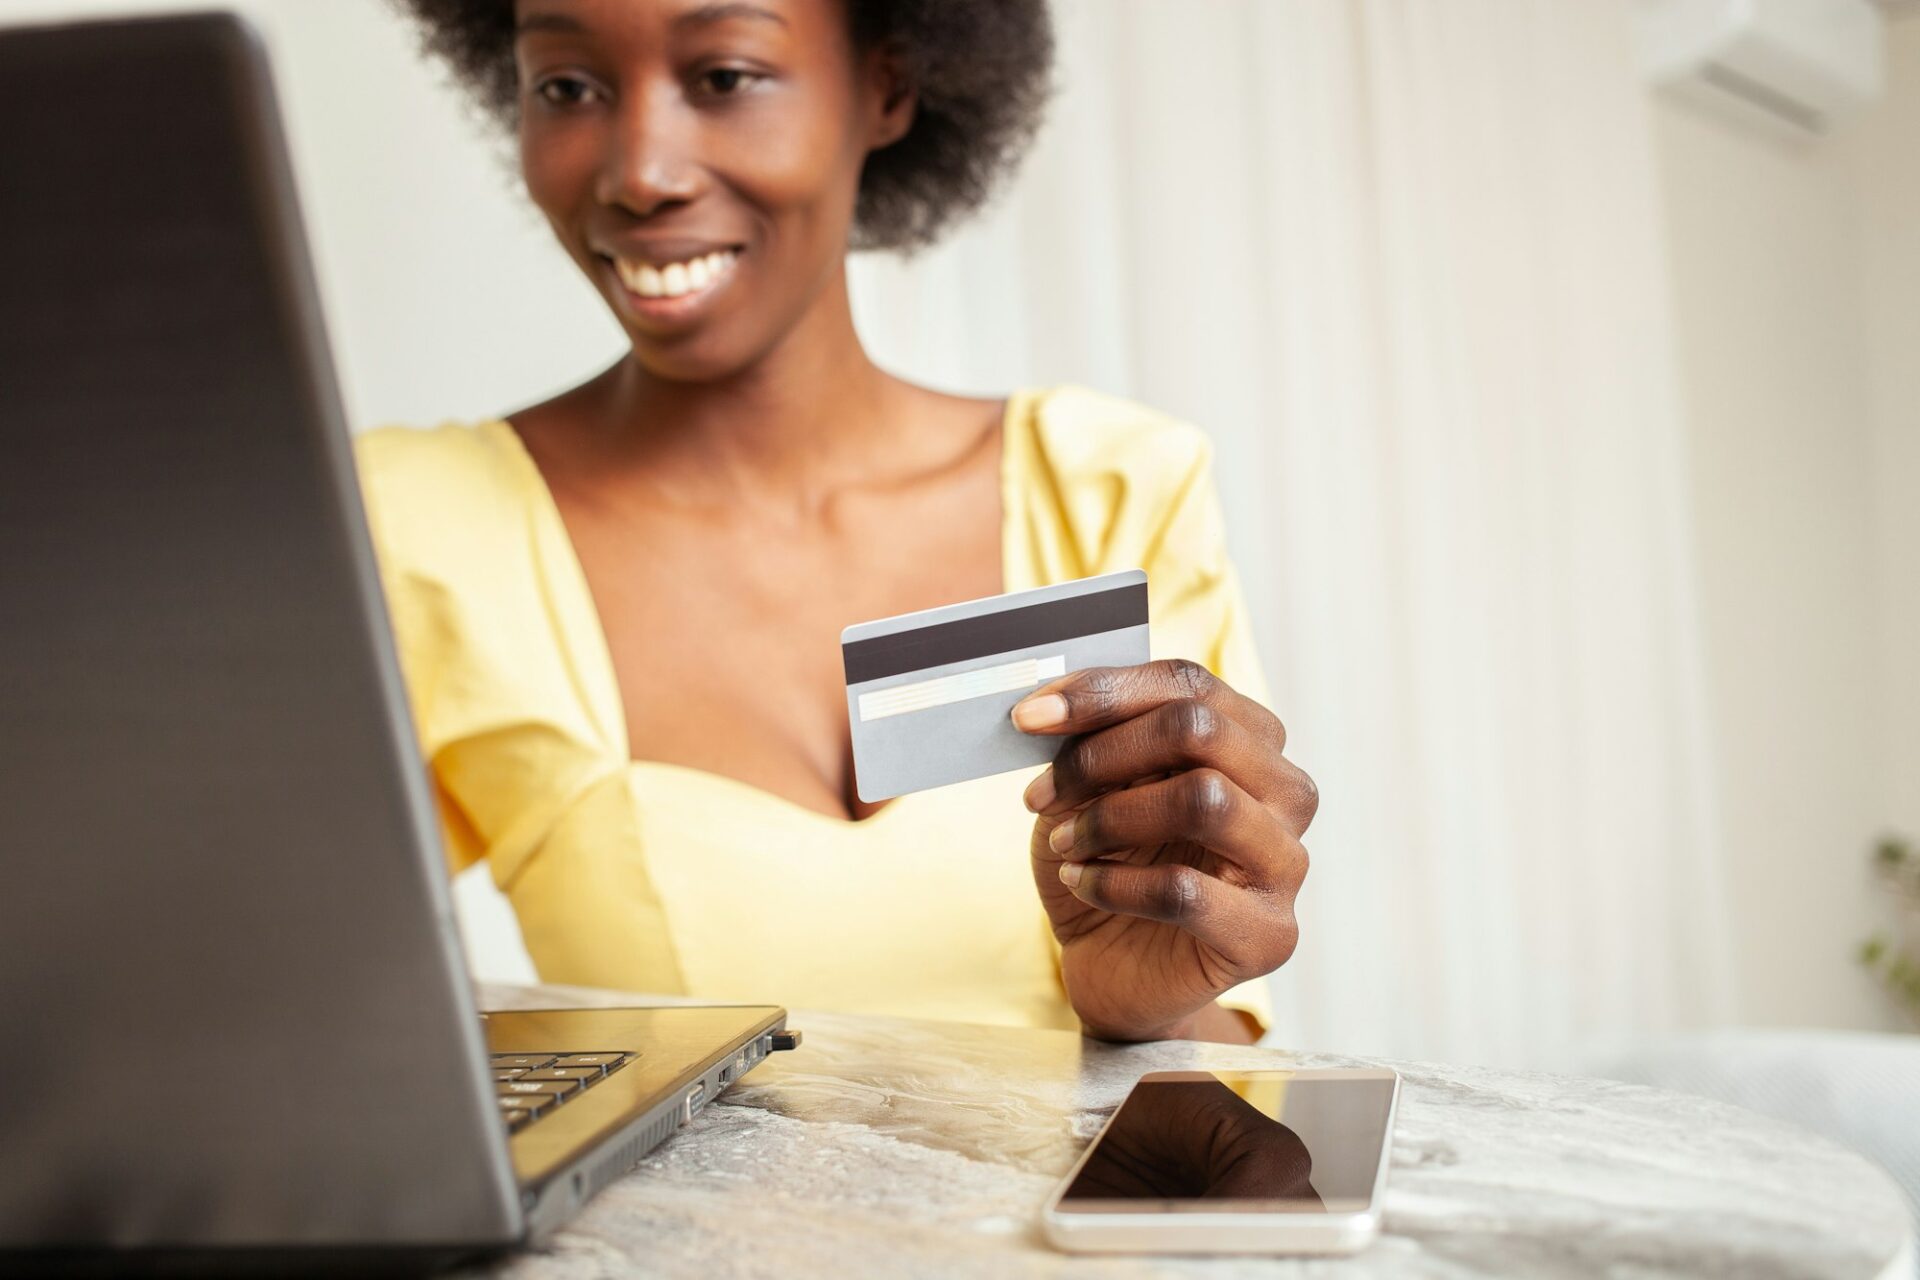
513	1074
524	1105
585	1075
529	1061
606	1060
555	1089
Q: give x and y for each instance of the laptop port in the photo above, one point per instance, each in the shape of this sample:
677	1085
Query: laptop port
696	1099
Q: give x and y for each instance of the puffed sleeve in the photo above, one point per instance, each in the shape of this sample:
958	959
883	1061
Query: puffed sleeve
419	629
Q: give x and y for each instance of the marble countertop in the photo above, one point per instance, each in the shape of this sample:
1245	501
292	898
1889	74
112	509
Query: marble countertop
896	1148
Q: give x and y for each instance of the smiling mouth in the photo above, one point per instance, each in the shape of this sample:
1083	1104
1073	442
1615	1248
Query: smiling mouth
675	279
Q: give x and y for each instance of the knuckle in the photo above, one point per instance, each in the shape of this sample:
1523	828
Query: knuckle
1090	828
1177	894
1195	727
1308	802
1281	941
1283	873
1191	678
1072	766
1207	800
1098	690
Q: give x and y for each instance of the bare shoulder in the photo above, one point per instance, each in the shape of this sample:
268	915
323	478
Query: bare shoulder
546	427
956	411
945	434
956	427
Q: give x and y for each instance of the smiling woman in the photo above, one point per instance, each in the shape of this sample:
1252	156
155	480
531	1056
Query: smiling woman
619	608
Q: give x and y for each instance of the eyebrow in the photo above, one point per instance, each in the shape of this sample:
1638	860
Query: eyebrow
705	15
711	13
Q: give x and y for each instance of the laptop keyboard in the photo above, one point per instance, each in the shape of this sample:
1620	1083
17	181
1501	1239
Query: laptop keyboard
532	1085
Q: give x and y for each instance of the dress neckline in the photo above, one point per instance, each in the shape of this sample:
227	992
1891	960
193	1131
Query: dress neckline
591	637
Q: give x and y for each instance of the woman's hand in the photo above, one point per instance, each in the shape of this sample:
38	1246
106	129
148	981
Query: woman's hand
1167	851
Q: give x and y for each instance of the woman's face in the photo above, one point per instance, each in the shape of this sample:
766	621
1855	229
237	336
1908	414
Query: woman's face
700	161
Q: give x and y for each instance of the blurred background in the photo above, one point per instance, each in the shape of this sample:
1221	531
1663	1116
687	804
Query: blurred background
1560	357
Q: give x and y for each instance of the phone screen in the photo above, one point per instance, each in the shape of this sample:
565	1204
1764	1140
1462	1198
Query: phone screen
1276	1141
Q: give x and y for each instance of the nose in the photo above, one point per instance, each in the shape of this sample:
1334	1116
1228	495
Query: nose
648	163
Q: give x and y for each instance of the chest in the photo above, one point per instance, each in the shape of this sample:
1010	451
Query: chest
724	634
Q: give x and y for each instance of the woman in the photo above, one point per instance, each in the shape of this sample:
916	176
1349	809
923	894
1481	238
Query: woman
619	609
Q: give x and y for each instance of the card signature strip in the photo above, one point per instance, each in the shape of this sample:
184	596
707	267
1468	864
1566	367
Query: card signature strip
1028	627
960	686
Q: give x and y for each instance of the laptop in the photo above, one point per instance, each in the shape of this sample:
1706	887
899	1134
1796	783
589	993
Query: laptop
239	1023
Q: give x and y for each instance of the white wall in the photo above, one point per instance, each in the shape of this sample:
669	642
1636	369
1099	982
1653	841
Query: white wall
1785	313
1886	160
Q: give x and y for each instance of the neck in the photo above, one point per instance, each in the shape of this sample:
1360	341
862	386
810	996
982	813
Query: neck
809	415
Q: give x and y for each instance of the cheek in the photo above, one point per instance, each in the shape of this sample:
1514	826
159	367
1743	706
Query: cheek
558	170
799	165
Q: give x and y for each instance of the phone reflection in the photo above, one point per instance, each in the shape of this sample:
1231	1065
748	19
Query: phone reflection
1195	1138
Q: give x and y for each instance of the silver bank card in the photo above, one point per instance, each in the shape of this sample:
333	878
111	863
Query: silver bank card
930	694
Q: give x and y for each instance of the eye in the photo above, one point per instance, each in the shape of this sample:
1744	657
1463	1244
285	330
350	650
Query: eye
565	91
726	82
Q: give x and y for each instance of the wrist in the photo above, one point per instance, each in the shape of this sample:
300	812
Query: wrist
1114	1033
1219	1024
1129	1031
1211	1022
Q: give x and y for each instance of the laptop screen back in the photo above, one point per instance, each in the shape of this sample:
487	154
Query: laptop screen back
236	1007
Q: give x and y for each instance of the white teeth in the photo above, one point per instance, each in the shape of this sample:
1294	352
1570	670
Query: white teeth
676	279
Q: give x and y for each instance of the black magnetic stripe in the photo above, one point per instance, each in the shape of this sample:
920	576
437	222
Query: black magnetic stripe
1048	622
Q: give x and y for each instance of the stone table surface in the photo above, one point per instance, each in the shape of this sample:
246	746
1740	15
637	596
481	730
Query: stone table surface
889	1147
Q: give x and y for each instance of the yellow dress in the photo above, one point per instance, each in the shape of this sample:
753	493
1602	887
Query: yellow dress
647	876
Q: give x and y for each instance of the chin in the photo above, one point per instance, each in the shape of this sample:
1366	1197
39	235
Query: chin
689	361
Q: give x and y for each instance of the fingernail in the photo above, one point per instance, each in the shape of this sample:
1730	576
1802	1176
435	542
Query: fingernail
1070	873
1061	838
1043	712
1040	792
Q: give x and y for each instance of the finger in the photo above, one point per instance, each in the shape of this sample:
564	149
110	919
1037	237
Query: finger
1100	696
1299	800
1203	806
1250	932
1166	739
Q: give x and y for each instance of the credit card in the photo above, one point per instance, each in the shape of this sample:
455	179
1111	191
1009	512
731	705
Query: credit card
930	694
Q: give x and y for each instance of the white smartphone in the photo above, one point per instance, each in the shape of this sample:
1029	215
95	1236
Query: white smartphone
1233	1162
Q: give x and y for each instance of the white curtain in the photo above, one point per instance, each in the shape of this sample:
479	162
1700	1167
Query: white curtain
1403	261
